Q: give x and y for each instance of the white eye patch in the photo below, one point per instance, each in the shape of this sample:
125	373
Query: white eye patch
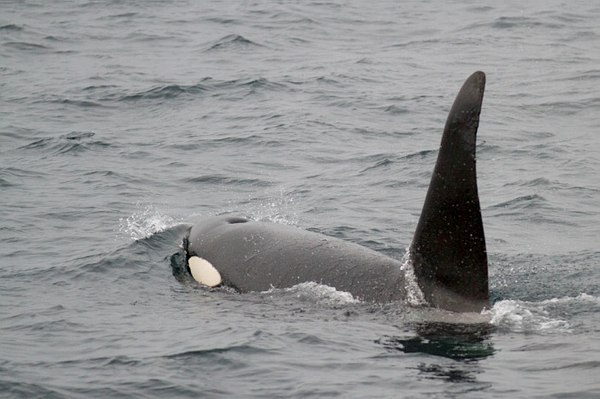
204	272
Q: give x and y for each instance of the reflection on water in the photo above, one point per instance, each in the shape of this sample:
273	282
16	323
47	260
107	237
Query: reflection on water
454	341
467	344
179	266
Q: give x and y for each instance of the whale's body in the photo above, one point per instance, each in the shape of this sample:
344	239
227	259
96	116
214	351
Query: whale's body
447	254
256	256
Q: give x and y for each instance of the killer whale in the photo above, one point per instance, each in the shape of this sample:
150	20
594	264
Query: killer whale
447	253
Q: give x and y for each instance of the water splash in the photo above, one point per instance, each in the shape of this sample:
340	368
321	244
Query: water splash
523	316
414	295
276	208
317	293
581	298
144	222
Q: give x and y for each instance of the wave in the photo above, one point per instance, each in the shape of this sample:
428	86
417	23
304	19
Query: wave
384	159
72	143
6	183
77	103
222	20
382	163
524	22
208	86
93	88
11	27
520	316
395	110
26	46
232	41
542	182
11	176
225	180
103	95
538	317
512	23
582	298
29	389
165	92
245	349
123	15
522	202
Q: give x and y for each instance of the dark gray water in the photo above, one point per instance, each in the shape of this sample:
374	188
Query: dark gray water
123	122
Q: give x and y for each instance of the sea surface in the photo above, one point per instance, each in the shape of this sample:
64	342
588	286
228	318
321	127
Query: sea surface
124	122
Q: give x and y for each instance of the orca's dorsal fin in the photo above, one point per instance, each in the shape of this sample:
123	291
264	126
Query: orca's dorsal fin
448	250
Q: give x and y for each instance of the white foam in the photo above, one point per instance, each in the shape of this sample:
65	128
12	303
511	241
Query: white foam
144	222
523	316
581	298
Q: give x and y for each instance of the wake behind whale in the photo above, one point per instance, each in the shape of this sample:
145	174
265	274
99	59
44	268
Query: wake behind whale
448	250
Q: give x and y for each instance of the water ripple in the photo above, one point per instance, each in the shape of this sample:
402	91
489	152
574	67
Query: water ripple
74	143
208	86
27	46
225	180
232	42
11	27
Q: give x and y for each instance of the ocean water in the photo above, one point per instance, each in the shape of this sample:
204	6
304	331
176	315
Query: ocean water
124	122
